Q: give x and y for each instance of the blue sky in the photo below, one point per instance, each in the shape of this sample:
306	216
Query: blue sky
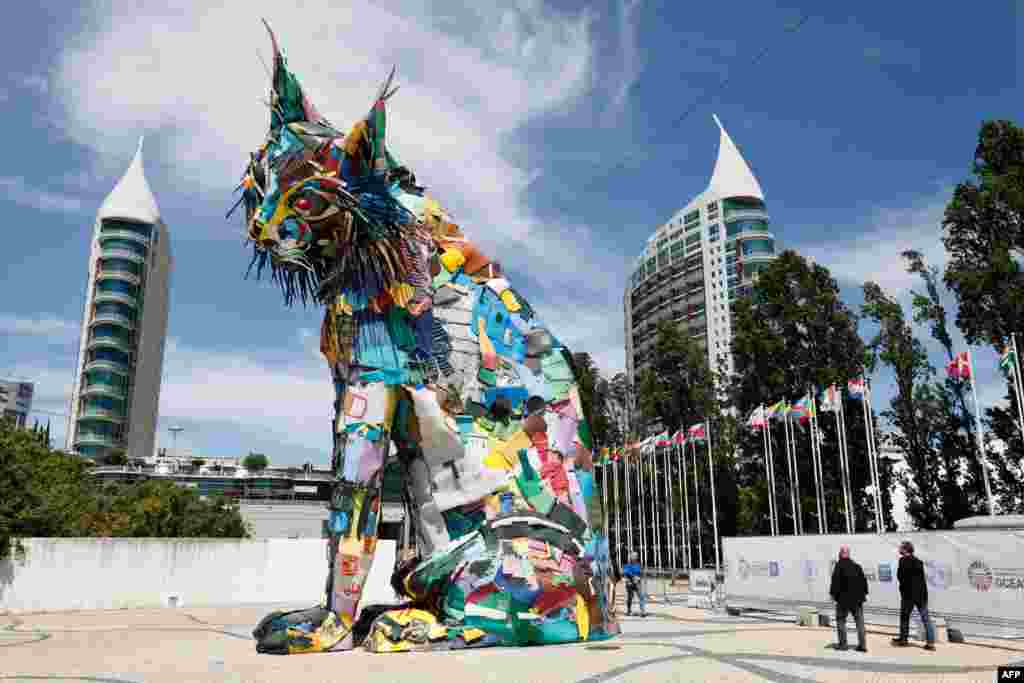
553	132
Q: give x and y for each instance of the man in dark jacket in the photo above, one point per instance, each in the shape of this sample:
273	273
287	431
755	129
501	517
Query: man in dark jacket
849	589
913	593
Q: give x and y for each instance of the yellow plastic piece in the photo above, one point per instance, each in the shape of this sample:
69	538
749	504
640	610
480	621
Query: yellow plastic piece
471	634
582	617
452	259
510	301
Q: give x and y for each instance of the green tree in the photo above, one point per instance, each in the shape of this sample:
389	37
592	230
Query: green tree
793	336
677	391
984	238
255	462
116	458
965	494
1008	484
923	413
678	388
47	493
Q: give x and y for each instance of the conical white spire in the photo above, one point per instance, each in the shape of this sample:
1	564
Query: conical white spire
131	198
732	176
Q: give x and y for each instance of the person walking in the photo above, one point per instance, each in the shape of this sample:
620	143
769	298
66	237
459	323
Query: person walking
849	589
634	575
913	593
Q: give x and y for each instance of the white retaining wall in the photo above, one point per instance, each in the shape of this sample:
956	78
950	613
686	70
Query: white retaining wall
975	578
117	573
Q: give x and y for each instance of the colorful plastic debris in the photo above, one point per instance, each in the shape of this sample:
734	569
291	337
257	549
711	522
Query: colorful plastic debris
439	362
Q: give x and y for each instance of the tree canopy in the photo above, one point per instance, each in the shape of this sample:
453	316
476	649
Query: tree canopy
47	493
678	389
984	238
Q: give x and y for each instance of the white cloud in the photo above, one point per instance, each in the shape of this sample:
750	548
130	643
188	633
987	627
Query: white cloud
628	57
46	326
872	251
18	191
194	81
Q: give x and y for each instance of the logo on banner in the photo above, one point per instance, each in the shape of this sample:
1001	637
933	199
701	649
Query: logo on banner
885	572
807	570
938	575
744	569
980	576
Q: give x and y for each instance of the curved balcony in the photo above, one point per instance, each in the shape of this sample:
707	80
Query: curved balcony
130	299
113	318
96	413
111	342
745	214
107	365
96	439
123	235
126	254
122	275
104	389
758	258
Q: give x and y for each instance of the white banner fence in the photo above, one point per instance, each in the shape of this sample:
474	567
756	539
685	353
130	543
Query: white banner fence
975	578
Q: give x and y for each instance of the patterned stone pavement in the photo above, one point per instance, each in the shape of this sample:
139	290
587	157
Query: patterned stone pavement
673	643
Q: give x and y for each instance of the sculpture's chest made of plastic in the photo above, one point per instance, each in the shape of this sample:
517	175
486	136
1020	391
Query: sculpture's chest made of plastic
450	378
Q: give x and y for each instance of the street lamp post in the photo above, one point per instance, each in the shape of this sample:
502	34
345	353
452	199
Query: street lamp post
174	438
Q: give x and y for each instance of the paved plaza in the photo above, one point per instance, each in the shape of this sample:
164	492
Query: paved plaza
673	643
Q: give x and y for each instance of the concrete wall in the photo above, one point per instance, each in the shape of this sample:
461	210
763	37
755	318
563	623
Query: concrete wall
117	573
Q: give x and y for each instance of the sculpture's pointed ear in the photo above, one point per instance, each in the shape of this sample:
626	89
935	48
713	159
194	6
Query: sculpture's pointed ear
293	105
376	124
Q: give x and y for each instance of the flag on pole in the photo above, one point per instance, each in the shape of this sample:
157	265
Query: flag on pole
856	388
697	432
829	400
679	438
662	439
1008	361
803	409
960	366
757	418
780	409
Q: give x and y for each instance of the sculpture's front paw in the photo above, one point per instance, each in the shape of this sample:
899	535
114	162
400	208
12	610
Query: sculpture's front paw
310	630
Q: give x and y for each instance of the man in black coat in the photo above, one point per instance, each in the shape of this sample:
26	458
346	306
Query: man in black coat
849	589
913	593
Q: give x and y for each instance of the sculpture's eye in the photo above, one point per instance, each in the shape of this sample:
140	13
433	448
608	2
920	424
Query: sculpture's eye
310	205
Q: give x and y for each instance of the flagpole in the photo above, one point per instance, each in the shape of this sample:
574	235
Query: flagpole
767	468
789	467
821	462
1017	384
696	491
843	474
670	526
655	512
796	475
981	439
687	549
641	517
714	505
816	463
771	478
869	434
846	460
629	500
618	511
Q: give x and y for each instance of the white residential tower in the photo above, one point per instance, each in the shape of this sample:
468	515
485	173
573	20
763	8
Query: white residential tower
116	397
698	262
